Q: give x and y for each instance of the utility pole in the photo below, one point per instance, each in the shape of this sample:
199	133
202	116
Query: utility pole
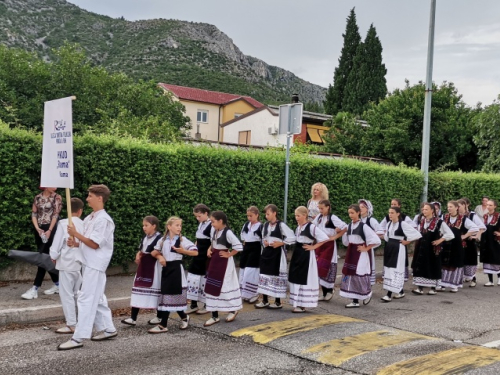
426	136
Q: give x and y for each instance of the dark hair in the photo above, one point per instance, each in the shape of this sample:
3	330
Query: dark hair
397	200
272	208
466	200
485	196
76	204
201	209
153	220
326	203
219	215
253	210
100	191
462	201
431	205
356	208
455	203
494	202
396	209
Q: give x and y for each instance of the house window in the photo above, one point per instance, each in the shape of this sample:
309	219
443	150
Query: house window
202	116
236	115
244	137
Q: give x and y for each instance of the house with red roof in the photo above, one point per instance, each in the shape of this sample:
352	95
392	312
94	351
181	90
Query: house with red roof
208	110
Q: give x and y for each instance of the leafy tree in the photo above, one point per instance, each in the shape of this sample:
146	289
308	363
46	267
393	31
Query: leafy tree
395	129
335	93
26	82
314	107
487	125
345	135
366	82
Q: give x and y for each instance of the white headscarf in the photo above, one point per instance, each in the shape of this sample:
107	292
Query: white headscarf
368	205
438	213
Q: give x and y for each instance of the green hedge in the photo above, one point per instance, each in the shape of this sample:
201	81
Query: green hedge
165	180
446	186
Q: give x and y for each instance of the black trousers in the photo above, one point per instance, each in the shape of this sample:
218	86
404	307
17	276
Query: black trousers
44	248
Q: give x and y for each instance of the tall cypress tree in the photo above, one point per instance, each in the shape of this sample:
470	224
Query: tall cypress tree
335	93
366	82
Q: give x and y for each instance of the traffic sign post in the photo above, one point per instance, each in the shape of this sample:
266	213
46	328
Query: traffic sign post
290	122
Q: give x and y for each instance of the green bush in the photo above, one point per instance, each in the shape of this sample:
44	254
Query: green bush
446	186
164	180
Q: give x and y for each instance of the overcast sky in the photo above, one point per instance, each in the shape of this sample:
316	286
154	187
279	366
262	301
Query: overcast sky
305	37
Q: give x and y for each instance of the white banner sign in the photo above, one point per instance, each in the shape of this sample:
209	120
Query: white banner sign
57	153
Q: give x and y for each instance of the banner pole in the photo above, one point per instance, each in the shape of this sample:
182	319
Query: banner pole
68	195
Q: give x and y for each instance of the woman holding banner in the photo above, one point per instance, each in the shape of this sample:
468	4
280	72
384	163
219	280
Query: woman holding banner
44	215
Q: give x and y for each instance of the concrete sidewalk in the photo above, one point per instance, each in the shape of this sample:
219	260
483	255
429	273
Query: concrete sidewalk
13	309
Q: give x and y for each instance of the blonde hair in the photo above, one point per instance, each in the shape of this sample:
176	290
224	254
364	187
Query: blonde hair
170	221
301	210
322	189
253	210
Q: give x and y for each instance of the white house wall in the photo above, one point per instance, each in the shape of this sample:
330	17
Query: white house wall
258	124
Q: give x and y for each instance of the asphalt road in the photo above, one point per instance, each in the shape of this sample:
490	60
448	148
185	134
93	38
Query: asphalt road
443	334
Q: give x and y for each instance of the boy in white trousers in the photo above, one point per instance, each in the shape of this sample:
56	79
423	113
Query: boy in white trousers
96	245
68	262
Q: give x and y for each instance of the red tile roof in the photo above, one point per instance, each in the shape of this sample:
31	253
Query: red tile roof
205	96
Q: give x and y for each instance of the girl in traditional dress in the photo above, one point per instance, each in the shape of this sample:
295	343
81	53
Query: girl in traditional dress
303	274
196	277
319	192
222	289
426	262
367	217
168	252
397	236
251	235
273	270
437	208
470	258
147	281
326	254
396	202
359	239
452	257
490	243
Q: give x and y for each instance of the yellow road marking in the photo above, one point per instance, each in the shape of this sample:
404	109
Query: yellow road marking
454	361
338	351
264	333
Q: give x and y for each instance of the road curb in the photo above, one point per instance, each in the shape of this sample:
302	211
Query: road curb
38	314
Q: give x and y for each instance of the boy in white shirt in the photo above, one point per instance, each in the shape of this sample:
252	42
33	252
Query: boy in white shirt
96	245
68	262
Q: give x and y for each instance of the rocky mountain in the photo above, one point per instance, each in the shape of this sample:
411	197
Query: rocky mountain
171	51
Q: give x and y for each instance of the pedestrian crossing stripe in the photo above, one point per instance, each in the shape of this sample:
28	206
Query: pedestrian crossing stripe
336	352
267	332
454	361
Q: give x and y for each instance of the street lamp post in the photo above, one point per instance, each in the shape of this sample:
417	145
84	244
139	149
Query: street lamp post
426	136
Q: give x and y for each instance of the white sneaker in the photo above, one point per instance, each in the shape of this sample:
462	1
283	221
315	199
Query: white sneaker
185	323
454	290
53	290
191	310
440	289
32	293
321	297
398	295
71	344
386	299
104	336
328	297
154	321
489	283
129	322
253	299
211	322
